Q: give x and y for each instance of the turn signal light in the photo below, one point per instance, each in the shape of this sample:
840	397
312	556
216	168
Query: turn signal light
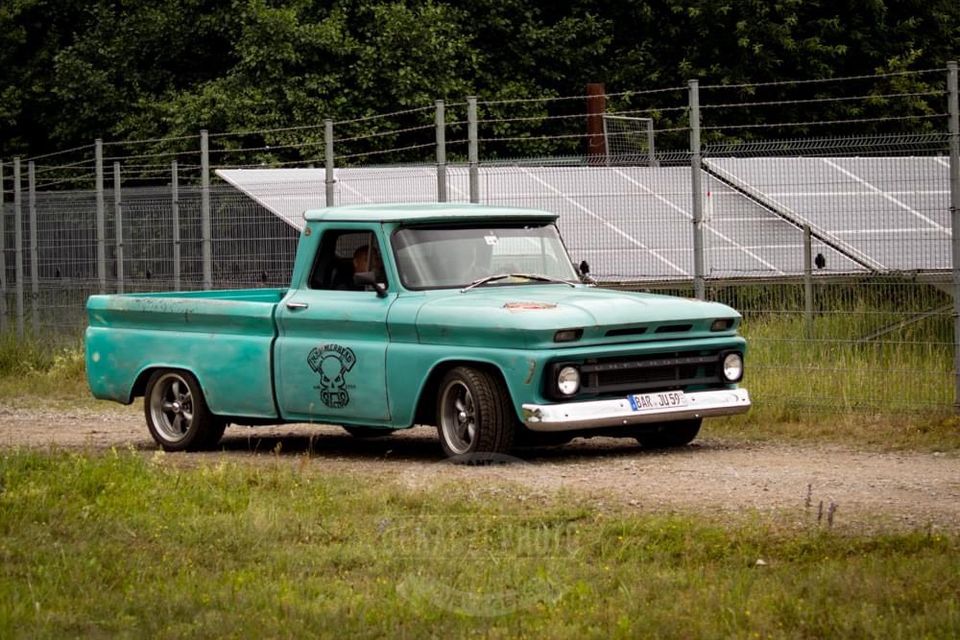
721	324
567	335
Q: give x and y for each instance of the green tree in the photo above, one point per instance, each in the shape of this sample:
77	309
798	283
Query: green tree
71	71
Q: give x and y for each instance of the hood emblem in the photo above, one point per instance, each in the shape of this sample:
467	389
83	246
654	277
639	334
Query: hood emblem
529	306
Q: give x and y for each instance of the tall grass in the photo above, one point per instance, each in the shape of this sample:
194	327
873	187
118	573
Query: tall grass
866	349
835	371
32	366
127	545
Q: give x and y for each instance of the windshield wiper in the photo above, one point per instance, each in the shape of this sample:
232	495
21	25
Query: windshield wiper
529	276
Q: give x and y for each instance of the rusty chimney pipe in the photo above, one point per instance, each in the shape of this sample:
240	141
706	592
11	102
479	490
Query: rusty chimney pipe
596	106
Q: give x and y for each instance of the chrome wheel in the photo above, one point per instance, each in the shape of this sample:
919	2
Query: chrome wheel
177	414
171	407
458	417
475	416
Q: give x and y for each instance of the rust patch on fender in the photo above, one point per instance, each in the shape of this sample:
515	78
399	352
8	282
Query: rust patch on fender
530	371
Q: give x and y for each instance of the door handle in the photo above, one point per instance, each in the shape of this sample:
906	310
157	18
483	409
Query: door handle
296	306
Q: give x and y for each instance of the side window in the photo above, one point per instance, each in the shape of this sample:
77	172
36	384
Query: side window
342	255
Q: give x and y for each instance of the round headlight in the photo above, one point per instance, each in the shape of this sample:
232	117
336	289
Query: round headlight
568	381
732	367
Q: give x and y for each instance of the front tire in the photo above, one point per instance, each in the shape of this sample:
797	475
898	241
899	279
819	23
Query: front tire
177	414
474	414
669	435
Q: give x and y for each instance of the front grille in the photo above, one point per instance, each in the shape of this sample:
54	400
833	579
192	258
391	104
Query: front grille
628	331
650	373
674	328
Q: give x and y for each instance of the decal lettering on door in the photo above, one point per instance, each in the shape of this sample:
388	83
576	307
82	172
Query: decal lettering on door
332	362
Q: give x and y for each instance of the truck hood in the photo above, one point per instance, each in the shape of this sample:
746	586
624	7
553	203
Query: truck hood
530	315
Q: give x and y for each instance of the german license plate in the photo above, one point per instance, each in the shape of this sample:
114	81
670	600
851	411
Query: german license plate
655	401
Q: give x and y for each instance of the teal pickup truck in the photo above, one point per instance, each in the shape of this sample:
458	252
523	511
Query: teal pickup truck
468	317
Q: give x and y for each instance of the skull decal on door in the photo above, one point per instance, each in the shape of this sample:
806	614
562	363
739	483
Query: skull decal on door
332	362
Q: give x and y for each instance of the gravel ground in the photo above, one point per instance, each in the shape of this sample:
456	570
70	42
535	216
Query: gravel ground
870	490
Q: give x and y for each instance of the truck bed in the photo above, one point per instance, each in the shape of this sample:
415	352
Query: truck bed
224	337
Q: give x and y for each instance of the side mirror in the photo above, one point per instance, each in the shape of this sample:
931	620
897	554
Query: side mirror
369	279
585	276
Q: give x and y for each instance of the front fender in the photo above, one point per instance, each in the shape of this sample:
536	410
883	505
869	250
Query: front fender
413	371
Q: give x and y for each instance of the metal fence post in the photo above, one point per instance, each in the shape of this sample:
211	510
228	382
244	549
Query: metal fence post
441	152
953	107
118	223
699	288
807	282
101	219
205	210
328	161
473	149
18	241
34	248
175	194
3	254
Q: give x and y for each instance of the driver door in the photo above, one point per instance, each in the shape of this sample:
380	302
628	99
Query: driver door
332	341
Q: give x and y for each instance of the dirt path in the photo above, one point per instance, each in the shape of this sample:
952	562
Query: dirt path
870	490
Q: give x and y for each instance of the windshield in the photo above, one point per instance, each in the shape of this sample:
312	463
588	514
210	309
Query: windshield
437	258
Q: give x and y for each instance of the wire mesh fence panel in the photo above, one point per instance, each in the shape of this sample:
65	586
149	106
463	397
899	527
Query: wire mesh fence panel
191	238
7	257
61	309
251	247
148	239
629	140
66	258
458	183
872	344
67	239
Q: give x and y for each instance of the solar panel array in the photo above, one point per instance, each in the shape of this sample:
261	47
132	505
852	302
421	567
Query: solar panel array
635	223
893	212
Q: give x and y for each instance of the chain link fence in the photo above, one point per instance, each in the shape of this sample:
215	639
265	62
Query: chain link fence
821	210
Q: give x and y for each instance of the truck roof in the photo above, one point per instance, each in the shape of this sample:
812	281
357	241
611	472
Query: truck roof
425	212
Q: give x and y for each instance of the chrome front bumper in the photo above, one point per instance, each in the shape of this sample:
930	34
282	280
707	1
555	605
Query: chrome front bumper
618	412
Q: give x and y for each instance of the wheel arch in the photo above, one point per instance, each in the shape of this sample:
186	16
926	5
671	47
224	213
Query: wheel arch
427	398
139	387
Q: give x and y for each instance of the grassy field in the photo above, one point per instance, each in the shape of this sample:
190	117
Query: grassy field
126	544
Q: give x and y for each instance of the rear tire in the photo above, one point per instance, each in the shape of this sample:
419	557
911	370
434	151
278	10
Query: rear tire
475	415
177	414
669	435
